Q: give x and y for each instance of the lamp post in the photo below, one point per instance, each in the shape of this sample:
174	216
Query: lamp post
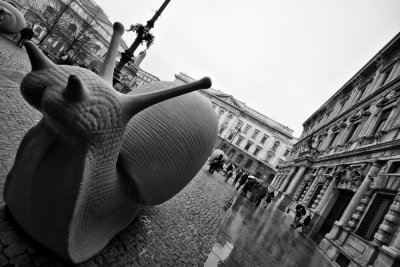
142	35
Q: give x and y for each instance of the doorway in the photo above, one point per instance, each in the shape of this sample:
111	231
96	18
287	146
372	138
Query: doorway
335	213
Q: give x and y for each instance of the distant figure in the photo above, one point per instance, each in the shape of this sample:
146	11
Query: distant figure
261	194
228	175
269	198
305	223
25	34
248	185
220	165
65	59
229	168
214	163
300	212
243	180
238	175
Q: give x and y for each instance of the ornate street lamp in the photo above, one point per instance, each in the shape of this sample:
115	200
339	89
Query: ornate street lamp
142	35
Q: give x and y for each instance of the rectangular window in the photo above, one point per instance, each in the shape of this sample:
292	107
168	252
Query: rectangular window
248	145
238	125
221	130
239	140
256	132
256	151
287	151
374	216
268	158
352	131
246	129
265	138
333	137
394	167
382	120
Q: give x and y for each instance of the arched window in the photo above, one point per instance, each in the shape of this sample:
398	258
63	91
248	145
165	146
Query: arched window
228	119
248	164
220	113
239	159
275	146
231	153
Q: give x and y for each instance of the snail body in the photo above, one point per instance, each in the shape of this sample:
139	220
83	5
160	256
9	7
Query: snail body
82	173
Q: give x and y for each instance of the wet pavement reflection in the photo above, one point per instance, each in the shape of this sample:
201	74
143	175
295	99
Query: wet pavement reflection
254	236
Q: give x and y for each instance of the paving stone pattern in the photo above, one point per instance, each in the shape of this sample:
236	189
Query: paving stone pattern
179	232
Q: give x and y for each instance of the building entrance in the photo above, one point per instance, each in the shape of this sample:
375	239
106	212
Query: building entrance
336	212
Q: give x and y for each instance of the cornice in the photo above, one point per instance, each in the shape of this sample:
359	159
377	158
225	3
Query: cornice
394	83
392	44
362	150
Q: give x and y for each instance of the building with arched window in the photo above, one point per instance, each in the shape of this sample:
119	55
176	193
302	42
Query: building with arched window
251	140
345	169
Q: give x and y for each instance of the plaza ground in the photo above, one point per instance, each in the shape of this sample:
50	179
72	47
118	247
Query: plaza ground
197	227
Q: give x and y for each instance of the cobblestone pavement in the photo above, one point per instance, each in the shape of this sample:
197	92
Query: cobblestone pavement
179	232
13	57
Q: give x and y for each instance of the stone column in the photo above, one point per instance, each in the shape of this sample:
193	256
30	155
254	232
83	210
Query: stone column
296	180
355	201
288	179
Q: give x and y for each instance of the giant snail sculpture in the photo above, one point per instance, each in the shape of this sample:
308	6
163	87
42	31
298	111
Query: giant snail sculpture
82	173
11	19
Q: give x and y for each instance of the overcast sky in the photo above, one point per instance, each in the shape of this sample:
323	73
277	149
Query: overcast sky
283	58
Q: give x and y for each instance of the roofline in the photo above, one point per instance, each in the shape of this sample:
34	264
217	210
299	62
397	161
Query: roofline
395	39
187	78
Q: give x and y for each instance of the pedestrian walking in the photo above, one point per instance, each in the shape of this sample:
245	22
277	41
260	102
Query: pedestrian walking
237	176
228	169
220	166
269	198
263	192
243	180
229	175
248	186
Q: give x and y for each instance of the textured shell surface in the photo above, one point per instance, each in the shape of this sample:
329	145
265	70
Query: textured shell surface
166	144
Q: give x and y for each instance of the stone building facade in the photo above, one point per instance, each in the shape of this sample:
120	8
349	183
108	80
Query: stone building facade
251	140
345	169
100	27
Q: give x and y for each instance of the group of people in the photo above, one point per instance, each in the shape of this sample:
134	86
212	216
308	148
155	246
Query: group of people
259	190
